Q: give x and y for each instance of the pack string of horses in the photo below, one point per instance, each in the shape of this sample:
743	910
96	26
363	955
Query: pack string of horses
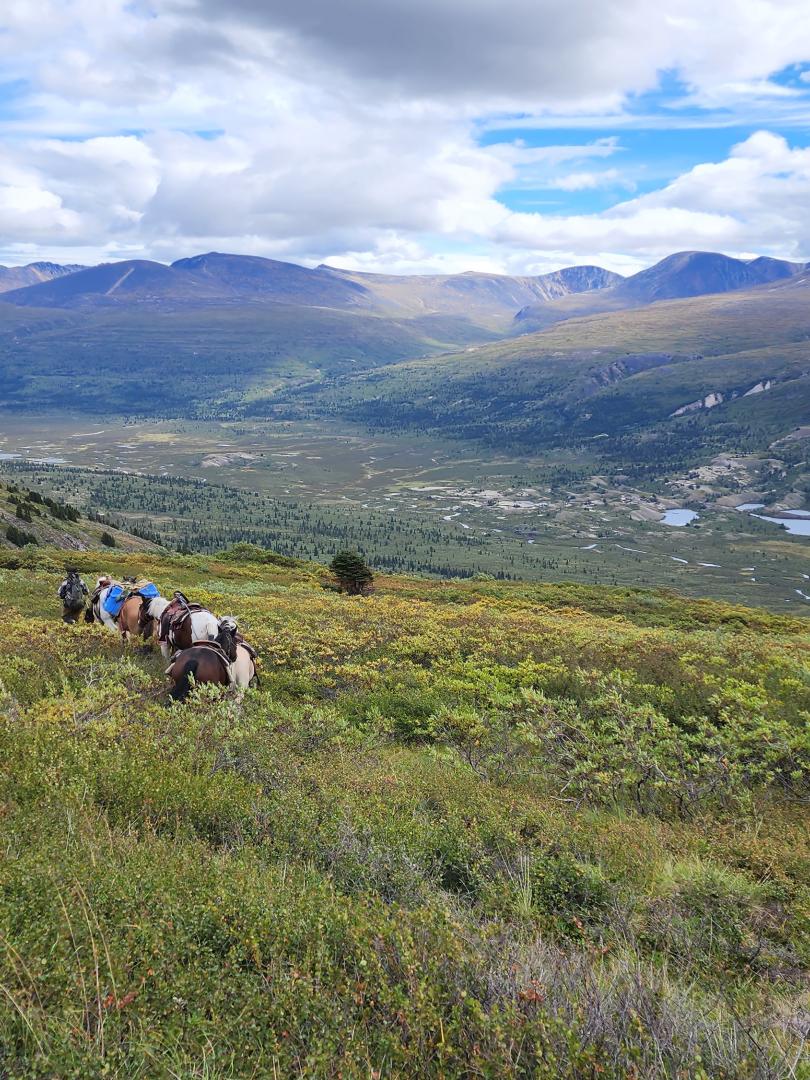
201	646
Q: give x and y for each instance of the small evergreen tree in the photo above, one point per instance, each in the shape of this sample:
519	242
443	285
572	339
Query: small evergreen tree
19	537
107	539
353	575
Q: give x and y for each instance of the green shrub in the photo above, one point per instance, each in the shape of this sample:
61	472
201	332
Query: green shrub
568	891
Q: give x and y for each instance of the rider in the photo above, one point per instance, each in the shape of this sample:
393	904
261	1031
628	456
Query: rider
72	592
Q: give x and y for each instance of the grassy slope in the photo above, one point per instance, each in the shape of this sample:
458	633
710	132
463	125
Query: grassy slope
462	830
548	386
49	529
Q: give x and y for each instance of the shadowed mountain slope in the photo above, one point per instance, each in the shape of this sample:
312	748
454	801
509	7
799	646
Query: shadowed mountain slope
181	360
250	278
114	284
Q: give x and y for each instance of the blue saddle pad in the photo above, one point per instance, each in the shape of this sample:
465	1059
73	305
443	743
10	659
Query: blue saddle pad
149	591
114	600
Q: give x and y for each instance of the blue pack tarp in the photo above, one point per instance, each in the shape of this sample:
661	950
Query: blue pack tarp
114	600
149	591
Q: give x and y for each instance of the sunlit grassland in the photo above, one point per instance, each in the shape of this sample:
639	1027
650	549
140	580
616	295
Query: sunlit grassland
461	829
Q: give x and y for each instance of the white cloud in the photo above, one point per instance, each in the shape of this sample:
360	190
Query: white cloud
586	181
350	131
755	200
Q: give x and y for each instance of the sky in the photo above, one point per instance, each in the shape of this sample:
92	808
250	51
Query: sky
405	136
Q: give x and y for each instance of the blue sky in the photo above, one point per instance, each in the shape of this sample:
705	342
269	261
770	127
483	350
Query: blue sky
407	135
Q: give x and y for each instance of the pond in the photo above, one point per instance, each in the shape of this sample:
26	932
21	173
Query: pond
678	517
798	525
795	526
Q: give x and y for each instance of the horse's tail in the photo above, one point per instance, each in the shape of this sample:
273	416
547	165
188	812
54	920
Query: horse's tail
182	685
257	682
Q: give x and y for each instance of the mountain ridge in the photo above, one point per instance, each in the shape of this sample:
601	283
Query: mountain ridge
508	303
678	276
19	277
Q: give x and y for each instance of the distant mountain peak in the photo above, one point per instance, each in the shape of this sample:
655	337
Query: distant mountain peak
676	277
19	277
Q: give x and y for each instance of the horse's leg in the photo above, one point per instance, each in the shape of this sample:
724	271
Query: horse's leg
242	672
182	683
146	631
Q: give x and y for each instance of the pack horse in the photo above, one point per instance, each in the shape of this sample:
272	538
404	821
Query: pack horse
202	647
131	610
227	660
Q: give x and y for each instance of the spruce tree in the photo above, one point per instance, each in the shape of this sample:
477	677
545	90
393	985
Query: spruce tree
353	575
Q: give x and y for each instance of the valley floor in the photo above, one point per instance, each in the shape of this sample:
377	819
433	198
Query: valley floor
416	504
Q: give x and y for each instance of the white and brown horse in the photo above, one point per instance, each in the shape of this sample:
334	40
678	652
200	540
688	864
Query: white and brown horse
225	661
140	616
95	611
181	624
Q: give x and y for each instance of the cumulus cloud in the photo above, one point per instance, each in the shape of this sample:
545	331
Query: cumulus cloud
754	201
350	131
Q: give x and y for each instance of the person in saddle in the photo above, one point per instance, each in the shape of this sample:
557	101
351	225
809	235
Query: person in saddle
72	593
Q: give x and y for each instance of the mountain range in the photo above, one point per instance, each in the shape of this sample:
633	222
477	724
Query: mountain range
510	304
220	279
678	276
700	350
19	277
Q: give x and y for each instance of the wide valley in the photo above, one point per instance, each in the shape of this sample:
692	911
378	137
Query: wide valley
431	505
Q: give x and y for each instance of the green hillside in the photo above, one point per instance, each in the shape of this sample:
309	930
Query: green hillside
29	518
149	362
462	829
609	374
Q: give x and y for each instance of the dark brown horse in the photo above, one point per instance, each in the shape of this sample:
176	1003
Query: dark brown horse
205	662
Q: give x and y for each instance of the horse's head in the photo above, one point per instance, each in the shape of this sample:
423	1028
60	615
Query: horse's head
226	636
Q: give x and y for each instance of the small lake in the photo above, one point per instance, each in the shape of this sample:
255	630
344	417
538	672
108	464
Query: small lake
798	526
678	517
795	526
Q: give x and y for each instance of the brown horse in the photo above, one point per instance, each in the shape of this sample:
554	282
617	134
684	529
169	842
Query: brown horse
139	615
182	624
204	661
129	618
227	661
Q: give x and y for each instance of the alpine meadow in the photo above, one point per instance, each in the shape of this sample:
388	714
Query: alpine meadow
404	540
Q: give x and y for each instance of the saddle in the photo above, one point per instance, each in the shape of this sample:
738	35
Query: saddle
147	590
215	649
254	656
176	614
